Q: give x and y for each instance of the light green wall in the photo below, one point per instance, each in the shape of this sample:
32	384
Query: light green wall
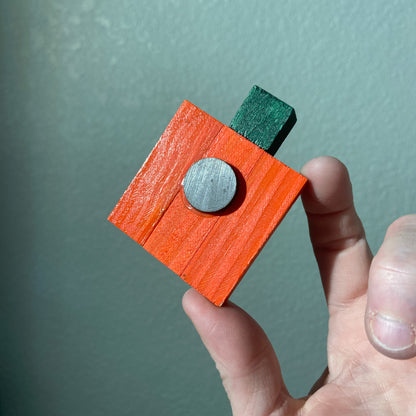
90	323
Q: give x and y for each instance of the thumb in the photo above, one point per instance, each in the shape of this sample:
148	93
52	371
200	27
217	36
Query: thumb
243	355
391	305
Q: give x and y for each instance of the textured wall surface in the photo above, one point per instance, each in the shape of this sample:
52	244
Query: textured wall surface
90	323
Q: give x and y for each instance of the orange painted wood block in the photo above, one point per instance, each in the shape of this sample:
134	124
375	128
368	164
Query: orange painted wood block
235	241
187	137
209	251
181	230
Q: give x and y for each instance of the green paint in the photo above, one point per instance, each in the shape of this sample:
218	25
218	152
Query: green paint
264	120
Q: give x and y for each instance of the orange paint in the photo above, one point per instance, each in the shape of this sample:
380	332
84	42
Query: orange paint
187	137
209	251
235	240
181	230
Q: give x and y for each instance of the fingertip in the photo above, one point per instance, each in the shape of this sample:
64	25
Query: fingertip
323	168
188	299
193	303
405	224
329	188
319	164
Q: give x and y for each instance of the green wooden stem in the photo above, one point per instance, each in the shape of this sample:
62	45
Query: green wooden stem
264	120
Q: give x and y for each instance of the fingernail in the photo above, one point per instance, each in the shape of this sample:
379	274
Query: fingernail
391	334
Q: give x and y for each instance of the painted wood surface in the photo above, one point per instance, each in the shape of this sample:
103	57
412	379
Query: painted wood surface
264	119
181	230
235	240
188	136
209	251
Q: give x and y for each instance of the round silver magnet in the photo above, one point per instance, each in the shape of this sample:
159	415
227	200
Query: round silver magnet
210	184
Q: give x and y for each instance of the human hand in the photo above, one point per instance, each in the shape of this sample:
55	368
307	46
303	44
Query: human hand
372	317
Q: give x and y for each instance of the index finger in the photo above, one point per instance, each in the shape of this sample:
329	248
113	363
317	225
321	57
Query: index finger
336	232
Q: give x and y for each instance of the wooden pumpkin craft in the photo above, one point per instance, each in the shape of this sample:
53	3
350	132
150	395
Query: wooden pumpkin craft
209	196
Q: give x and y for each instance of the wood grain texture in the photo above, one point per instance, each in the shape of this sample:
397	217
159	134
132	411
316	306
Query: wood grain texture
181	230
187	137
209	251
235	240
264	119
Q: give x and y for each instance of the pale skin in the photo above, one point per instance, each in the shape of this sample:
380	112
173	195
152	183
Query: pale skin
372	317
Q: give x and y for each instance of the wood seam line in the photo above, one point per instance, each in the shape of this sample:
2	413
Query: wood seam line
128	213
217	288
213	226
219	283
289	196
198	247
177	192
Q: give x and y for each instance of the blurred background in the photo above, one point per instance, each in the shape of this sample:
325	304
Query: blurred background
91	324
